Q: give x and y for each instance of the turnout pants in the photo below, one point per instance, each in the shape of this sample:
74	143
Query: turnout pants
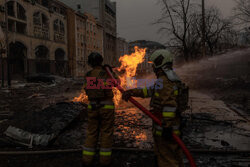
100	124
168	152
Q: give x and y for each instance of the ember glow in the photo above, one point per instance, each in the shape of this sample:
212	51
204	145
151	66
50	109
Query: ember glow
127	70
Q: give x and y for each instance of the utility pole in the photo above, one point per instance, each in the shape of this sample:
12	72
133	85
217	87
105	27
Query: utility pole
203	30
7	43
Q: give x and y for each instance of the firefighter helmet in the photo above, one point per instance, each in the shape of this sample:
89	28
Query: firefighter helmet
161	57
95	59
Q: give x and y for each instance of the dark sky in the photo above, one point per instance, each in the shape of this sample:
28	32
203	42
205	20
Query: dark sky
135	17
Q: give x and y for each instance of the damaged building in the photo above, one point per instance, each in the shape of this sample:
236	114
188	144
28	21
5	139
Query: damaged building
104	11
121	48
85	36
37	37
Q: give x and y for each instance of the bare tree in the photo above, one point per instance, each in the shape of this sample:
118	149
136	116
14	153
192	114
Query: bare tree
216	26
242	11
181	20
175	21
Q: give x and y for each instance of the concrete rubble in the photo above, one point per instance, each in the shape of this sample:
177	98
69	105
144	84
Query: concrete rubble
41	128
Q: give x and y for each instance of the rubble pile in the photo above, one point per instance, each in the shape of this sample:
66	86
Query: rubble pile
24	100
42	128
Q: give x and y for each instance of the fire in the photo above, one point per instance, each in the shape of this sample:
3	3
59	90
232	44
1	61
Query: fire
82	98
127	70
129	64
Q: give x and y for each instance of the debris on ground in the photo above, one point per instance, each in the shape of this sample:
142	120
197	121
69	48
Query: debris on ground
41	128
217	121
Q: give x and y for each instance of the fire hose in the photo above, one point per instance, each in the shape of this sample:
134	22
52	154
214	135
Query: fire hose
154	118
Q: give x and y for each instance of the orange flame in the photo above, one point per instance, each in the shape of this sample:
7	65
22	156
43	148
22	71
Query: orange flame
128	68
129	64
83	98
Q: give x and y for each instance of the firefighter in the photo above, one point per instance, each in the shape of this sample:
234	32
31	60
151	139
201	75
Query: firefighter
100	113
165	104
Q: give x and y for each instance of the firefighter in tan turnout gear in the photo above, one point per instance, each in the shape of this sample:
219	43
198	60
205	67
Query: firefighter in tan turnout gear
100	113
167	103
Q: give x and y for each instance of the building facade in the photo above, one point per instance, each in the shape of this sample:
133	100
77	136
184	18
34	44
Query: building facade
94	35
104	11
37	36
85	35
71	25
94	7
81	44
121	49
110	30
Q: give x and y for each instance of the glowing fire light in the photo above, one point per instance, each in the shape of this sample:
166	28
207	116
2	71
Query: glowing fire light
128	68
129	64
83	98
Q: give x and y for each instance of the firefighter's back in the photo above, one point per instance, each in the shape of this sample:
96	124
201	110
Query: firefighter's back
100	117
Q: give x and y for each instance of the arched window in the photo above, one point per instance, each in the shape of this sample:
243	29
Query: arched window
41	20
16	10
62	30
59	31
41	25
21	12
59	26
37	18
56	25
11	6
45	21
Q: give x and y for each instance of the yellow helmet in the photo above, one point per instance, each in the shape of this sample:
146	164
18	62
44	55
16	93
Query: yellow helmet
161	57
